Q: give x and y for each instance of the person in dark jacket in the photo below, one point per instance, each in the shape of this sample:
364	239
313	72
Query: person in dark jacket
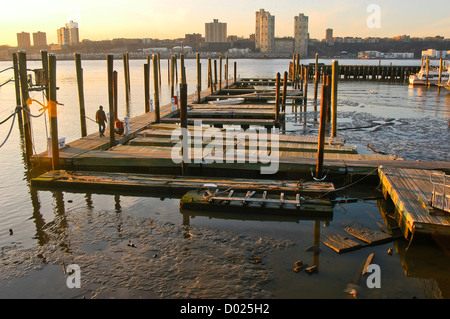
100	118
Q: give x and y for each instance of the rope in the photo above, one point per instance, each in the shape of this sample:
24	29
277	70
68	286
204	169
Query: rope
351	184
10	129
8	117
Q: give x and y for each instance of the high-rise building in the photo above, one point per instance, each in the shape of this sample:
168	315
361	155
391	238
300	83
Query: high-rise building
63	36
215	31
301	35
69	35
329	36
74	36
40	40
23	40
265	31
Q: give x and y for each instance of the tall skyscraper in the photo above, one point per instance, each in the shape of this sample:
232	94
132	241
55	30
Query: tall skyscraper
301	35
265	31
215	31
40	39
23	40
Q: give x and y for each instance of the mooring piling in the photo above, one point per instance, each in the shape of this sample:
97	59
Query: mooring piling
25	108
316	77
322	126
183	124
110	66
199	77
79	72
53	113
334	90
156	88
277	99
17	89
283	102
147	87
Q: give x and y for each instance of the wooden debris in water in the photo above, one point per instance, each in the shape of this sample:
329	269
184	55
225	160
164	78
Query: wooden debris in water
340	244
366	234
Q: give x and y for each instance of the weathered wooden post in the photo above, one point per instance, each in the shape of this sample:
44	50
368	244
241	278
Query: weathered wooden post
17	88
235	72
147	87
183	124
126	78
220	73
44	58
321	139
328	83
440	70
25	97
116	95
215	75
158	55
128	72
53	113
226	71
428	68
210	78
156	88
183	70
277	99
199	78
316	77
79	71
334	90
285	80
294	67
305	86
110	66
172	77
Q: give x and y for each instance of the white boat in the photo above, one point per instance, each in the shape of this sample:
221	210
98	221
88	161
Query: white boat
433	77
230	101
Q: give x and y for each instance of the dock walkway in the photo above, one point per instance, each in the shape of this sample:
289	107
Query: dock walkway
411	191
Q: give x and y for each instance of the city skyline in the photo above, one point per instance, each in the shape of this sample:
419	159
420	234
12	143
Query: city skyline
101	20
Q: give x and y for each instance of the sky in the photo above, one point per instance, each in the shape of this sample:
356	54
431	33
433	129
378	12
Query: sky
106	20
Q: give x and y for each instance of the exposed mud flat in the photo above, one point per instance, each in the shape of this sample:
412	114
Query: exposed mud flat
124	255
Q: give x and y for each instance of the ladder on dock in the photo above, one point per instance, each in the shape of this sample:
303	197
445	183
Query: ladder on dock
440	197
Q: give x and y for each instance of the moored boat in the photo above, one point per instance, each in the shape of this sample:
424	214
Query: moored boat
422	78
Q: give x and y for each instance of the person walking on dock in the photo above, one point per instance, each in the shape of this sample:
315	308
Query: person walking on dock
100	118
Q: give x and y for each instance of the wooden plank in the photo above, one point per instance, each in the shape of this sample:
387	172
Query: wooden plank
366	234
103	181
340	244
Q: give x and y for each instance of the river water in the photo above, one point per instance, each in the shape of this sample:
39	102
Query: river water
43	232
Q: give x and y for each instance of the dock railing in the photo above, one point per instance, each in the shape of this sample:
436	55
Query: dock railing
440	197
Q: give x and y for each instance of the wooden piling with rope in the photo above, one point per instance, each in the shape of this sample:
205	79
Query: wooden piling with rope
53	113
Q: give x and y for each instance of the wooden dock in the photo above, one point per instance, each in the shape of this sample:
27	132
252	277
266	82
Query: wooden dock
411	191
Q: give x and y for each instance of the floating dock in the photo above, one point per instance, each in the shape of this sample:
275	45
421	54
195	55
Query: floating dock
411	192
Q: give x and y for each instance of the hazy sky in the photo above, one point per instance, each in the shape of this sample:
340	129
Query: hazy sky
102	20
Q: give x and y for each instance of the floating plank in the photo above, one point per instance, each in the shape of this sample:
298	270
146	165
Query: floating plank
147	183
367	264
340	244
366	234
311	207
